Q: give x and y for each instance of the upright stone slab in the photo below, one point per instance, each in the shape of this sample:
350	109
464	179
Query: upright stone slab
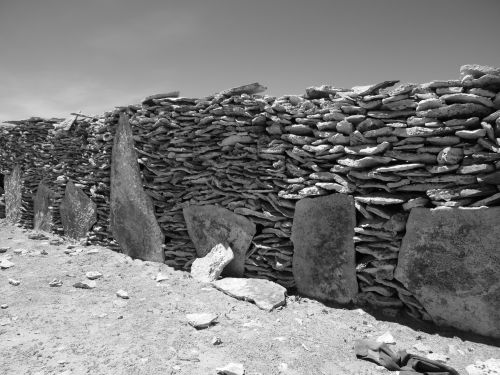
13	195
41	207
324	257
78	212
450	261
133	222
210	225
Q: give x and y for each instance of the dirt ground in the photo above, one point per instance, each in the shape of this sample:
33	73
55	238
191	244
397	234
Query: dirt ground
66	330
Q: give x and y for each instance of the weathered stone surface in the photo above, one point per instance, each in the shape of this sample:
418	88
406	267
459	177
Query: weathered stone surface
13	200
264	293
42	213
456	111
78	212
323	259
449	260
132	217
211	225
209	268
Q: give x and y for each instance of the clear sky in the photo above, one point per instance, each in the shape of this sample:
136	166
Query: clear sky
61	56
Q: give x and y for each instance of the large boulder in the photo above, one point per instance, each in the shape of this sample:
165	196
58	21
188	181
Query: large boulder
324	257
133	222
41	208
449	260
211	225
78	212
13	195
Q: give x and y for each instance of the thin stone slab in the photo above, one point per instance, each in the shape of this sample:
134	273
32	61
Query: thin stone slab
41	206
324	256
13	196
266	294
132	216
449	260
211	225
78	212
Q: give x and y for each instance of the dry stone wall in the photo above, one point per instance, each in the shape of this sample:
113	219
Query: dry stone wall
391	147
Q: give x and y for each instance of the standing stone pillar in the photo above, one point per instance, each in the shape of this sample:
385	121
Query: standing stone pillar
41	208
13	195
78	212
133	222
450	261
323	257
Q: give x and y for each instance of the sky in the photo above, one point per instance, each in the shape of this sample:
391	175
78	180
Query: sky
63	56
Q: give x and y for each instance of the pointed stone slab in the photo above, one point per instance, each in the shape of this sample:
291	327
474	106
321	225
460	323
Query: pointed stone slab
132	218
210	225
324	257
13	195
42	213
449	260
78	212
266	294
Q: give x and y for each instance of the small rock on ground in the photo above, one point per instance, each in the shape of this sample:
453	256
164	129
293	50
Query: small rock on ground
14	282
86	284
122	294
5	263
231	369
201	320
4	249
386	338
55	283
92	275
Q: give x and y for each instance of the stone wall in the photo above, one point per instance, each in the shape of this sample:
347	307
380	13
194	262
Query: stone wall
391	147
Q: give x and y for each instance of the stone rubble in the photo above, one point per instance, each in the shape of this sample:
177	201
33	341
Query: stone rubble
392	147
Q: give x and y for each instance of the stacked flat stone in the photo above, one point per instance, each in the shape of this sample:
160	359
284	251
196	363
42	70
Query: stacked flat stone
393	148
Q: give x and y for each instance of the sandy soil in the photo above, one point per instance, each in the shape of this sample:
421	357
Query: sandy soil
65	330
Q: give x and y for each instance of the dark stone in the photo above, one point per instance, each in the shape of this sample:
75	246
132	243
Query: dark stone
210	225
42	213
449	260
132	218
13	195
78	212
324	257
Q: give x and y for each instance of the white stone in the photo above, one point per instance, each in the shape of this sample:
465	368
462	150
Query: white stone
122	294
92	275
5	263
161	277
86	284
386	338
231	369
209	268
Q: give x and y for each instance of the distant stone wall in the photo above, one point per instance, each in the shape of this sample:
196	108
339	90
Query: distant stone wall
391	147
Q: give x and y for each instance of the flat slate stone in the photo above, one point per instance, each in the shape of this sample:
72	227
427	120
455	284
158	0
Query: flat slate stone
42	214
449	260
211	225
13	196
132	218
324	256
266	294
78	212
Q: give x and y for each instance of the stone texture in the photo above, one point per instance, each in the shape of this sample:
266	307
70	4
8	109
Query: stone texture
209	267
78	212
449	260
13	197
323	259
264	293
41	207
211	225
132	217
201	320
